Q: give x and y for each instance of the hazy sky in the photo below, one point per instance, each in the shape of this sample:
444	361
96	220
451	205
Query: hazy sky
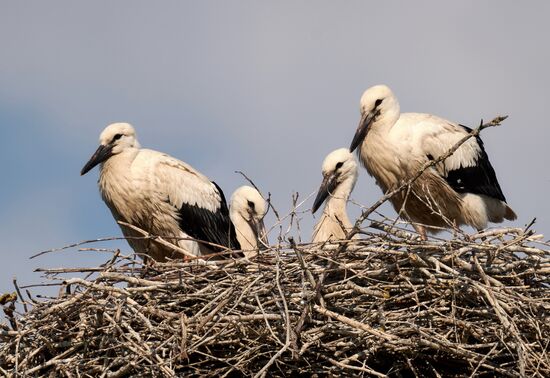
268	88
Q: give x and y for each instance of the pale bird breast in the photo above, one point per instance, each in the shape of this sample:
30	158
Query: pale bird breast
130	198
383	163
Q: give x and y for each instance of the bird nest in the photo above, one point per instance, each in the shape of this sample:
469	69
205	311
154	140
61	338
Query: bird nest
387	304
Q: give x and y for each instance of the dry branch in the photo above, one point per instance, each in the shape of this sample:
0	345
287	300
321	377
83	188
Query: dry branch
384	305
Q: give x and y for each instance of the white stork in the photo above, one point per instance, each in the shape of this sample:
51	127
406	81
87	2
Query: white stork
247	209
463	189
339	177
161	195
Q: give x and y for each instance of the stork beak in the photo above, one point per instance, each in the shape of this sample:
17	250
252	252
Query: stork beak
258	227
100	155
261	234
362	130
327	187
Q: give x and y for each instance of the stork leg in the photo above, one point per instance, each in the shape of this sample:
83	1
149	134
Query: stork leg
147	262
421	230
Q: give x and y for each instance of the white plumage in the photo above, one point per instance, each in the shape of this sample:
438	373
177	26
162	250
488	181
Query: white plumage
339	176
463	189
247	209
161	195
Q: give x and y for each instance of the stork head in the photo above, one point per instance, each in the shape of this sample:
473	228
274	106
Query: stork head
247	204
116	138
339	166
378	104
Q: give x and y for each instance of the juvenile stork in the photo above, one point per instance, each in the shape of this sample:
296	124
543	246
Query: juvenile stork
247	209
161	195
463	189
339	177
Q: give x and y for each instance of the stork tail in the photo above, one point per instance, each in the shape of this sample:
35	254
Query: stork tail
510	214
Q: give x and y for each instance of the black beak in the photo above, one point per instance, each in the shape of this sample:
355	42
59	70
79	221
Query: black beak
100	155
259	231
327	187
362	130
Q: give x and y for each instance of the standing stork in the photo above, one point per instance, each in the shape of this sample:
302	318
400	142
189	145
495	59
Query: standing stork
339	177
462	189
161	195
247	209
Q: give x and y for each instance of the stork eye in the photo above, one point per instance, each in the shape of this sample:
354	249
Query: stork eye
378	102
251	205
117	137
339	165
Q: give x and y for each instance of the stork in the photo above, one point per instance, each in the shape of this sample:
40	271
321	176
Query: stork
339	176
462	189
160	195
247	209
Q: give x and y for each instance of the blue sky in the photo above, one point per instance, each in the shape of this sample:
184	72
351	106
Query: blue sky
268	88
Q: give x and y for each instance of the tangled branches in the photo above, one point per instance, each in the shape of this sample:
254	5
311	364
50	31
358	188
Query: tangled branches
384	305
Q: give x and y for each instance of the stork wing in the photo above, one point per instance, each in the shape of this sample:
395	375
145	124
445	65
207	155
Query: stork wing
468	169
200	203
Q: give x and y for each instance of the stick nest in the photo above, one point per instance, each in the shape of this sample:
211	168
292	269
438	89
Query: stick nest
384	305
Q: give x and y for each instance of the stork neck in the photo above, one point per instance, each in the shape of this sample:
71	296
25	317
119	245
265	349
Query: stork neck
115	177
336	204
245	234
116	184
387	118
120	161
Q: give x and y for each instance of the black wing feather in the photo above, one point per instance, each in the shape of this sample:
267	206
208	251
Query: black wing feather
478	179
212	227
